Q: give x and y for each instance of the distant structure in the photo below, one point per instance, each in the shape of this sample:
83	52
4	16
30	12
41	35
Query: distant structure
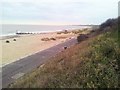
18	32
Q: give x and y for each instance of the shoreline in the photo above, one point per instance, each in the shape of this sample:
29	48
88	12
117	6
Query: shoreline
19	34
7	36
3	37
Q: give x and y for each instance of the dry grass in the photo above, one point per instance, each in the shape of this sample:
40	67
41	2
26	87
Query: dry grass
92	63
60	37
85	65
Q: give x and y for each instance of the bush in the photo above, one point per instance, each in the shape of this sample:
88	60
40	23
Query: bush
109	23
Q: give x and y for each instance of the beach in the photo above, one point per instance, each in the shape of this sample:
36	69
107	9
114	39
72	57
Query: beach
25	45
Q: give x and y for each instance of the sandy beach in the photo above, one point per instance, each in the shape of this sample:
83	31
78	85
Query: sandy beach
26	45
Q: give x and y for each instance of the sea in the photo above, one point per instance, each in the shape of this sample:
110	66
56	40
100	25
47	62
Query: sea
8	29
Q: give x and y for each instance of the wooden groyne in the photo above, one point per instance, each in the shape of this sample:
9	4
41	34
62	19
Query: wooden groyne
20	33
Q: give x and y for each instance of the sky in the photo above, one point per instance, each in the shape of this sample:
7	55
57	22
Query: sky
57	12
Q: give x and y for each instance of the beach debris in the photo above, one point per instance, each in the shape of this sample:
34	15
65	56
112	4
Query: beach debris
7	41
65	47
14	39
52	39
47	39
60	37
41	66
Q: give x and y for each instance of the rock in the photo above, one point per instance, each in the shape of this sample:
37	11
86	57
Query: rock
82	37
7	41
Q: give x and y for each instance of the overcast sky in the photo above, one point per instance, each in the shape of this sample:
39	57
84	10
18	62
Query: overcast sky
58	12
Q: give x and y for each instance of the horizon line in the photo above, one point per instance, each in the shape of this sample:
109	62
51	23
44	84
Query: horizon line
52	24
